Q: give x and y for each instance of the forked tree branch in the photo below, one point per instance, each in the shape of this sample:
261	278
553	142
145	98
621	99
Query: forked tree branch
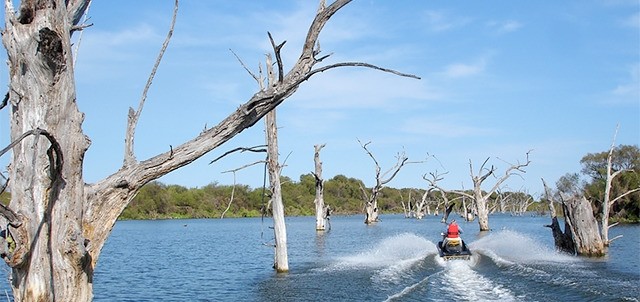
134	116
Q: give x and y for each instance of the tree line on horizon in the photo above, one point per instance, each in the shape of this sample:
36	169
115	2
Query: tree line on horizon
344	195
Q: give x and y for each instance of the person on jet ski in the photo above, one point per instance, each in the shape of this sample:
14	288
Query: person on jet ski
453	234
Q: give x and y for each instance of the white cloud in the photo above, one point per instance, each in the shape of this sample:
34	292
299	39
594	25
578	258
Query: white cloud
632	21
629	90
459	70
443	126
505	26
439	21
97	45
358	88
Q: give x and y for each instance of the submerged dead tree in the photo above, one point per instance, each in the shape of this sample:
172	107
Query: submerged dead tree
371	200
608	201
581	235
281	258
563	239
433	185
480	197
322	212
58	222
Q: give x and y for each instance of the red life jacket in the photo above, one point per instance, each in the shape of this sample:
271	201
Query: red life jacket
453	231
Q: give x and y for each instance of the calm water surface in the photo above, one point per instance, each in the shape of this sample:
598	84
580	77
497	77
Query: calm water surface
395	260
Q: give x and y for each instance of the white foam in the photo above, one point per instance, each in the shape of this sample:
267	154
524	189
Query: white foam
506	247
400	250
461	281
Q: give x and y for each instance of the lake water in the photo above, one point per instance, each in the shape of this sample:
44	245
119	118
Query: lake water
394	260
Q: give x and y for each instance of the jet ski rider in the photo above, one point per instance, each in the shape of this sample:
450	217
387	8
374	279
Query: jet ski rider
453	231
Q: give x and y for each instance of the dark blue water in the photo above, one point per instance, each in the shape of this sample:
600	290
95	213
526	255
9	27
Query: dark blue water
395	260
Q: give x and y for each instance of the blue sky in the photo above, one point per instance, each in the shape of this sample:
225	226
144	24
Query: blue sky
499	78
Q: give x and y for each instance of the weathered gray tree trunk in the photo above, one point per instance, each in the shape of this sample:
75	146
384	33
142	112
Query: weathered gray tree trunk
59	223
608	202
321	210
584	227
52	259
281	259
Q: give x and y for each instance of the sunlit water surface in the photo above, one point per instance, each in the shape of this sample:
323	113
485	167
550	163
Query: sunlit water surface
394	260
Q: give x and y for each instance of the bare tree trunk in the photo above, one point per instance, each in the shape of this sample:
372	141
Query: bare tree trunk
420	206
584	227
608	202
281	261
321	210
406	208
371	207
51	260
563	240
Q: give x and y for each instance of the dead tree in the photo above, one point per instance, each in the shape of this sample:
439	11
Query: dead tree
521	202
421	207
322	212
61	222
481	198
563	239
433	185
608	201
406	208
371	200
584	226
581	235
281	259
516	203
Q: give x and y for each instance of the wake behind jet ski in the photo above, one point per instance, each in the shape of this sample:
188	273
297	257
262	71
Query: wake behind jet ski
452	247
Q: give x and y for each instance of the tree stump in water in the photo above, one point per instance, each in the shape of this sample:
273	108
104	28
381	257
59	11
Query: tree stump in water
584	227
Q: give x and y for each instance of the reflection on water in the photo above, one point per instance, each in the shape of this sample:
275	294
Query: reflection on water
395	260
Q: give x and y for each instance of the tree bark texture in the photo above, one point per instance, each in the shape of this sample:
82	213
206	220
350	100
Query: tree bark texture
321	210
281	259
584	227
51	260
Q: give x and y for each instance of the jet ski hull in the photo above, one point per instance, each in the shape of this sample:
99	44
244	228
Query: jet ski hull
458	251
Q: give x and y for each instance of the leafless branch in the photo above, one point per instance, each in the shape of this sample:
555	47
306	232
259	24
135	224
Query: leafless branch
259	148
245	166
253	75
509	172
614	238
233	191
4	101
360	64
133	116
276	51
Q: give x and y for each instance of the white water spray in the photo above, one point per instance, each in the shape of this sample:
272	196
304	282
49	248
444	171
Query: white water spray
507	247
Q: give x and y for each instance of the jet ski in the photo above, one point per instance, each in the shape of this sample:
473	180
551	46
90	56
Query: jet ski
453	249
